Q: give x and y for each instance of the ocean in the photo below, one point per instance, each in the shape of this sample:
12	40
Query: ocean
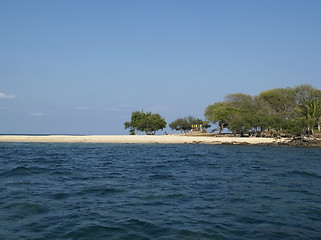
159	191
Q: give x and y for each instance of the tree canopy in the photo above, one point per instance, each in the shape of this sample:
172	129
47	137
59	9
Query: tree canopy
221	113
273	112
281	110
145	122
186	123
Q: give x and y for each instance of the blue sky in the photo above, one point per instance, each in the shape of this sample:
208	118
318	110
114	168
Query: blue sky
82	67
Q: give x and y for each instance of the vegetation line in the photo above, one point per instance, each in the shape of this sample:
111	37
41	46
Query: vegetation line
276	112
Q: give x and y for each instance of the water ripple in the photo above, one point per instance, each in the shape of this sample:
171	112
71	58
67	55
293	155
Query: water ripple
149	191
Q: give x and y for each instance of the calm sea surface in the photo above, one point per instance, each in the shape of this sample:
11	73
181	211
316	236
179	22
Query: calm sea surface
159	191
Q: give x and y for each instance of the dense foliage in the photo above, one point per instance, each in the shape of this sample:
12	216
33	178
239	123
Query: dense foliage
186	124
279	111
145	122
273	112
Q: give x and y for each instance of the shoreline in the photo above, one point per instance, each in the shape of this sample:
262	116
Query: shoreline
169	139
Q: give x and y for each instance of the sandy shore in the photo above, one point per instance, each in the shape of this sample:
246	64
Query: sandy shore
140	139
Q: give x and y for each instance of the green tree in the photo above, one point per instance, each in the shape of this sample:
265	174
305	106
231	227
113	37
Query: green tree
180	124
308	99
185	124
276	111
251	115
137	120
311	112
248	117
239	100
220	113
281	100
145	122
238	123
280	105
305	93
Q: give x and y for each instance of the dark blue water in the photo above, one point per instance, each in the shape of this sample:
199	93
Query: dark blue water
151	191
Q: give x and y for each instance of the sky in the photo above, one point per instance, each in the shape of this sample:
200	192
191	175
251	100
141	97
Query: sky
82	67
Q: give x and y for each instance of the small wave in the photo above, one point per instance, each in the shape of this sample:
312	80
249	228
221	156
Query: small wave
176	196
143	228
24	171
18	171
161	177
99	191
25	208
305	174
94	232
59	196
189	234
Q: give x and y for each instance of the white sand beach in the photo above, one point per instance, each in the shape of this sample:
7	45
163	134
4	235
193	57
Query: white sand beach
140	139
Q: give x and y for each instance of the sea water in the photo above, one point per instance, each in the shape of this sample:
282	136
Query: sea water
159	191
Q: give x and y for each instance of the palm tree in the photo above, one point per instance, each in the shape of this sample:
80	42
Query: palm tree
311	111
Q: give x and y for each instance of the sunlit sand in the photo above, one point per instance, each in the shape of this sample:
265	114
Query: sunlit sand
139	139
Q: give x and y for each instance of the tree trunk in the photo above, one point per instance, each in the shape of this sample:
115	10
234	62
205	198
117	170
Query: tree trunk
221	128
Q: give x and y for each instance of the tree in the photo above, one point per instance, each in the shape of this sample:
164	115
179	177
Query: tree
251	115
305	93
276	111
239	100
281	100
145	122
185	124
308	99
180	124
280	105
220	113
197	121
311	112
137	120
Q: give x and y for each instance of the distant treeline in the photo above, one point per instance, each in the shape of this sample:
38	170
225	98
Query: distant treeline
293	111
279	111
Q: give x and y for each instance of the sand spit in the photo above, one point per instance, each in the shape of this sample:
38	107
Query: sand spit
141	139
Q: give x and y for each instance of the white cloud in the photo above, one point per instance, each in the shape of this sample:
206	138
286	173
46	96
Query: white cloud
81	108
7	96
37	114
